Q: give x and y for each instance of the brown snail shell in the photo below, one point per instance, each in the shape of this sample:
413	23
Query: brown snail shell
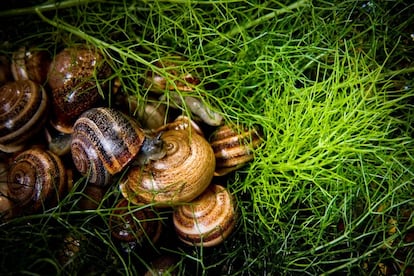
151	115
92	197
104	141
180	123
178	79
36	178
181	175
208	220
73	77
233	147
130	223
23	112
30	64
6	205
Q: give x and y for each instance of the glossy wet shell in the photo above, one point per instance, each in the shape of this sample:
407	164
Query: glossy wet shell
36	178
23	112
233	148
180	176
73	77
208	220
104	141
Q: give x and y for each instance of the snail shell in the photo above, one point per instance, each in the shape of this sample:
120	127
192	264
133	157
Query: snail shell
23	111
180	123
173	66
135	224
6	205
73	77
36	178
151	115
30	64
104	141
181	175
208	220
233	147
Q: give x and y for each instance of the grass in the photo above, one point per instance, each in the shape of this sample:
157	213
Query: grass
330	84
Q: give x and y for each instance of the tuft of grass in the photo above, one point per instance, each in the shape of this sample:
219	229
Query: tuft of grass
330	84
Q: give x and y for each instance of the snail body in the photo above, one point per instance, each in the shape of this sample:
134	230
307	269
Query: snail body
36	178
73	76
208	220
181	175
23	111
30	64
233	147
103	142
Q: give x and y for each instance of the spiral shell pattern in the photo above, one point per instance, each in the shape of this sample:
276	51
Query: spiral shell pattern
36	178
180	176
129	225
23	111
208	220
233	148
103	142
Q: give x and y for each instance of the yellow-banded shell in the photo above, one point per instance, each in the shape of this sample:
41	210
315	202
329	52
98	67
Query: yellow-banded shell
208	220
233	147
180	176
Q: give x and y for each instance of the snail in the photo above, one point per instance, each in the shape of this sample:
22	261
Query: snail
208	220
181	123
30	64
6	205
104	141
181	175
23	112
91	197
177	79
151	115
73	77
173	65
233	147
36	179
196	106
134	224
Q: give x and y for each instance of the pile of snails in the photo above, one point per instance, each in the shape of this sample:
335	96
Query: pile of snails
48	115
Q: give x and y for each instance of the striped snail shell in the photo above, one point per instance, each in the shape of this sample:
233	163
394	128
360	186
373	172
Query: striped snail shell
36	178
30	64
181	175
104	141
233	147
134	224
23	112
208	220
73	77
